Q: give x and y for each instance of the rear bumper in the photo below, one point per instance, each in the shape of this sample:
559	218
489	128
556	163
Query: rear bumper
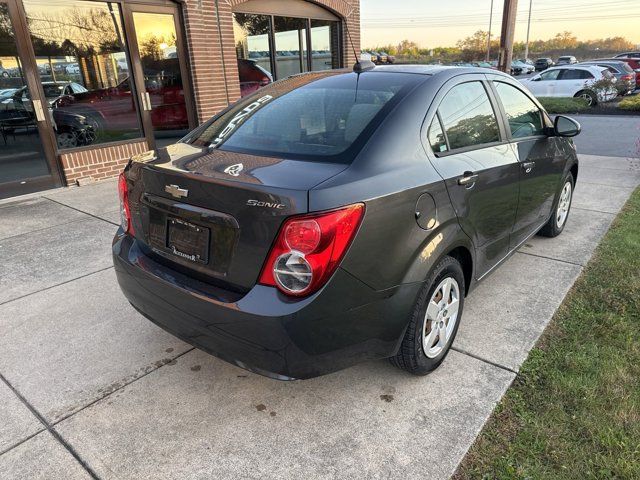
344	323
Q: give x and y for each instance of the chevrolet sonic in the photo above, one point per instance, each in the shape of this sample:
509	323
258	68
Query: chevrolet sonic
339	216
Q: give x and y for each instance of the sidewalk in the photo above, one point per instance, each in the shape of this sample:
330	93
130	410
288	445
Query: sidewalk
90	388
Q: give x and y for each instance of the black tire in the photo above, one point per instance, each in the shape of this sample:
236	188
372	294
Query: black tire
589	96
551	228
411	355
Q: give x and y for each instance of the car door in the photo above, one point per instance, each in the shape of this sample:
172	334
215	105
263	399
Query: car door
468	148
540	157
572	80
545	84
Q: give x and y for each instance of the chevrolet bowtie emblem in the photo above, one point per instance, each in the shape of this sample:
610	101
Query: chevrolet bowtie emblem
176	191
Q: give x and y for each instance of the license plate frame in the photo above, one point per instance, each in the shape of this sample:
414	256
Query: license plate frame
187	240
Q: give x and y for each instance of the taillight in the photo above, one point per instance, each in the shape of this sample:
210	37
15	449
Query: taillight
626	77
125	213
309	249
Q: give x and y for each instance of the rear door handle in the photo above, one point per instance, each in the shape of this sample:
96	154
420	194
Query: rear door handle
528	166
468	179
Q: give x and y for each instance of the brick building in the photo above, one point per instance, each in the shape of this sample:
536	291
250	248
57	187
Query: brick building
85	84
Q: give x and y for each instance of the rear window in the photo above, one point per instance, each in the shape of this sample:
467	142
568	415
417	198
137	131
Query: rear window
323	116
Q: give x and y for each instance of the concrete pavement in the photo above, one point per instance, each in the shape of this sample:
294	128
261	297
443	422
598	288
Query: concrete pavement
90	389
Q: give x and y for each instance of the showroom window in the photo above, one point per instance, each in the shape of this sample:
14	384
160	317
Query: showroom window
83	66
272	47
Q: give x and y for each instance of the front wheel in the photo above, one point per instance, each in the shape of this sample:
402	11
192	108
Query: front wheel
435	320
558	220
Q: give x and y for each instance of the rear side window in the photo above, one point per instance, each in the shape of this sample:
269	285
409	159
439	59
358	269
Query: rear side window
436	136
468	117
323	117
524	117
573	74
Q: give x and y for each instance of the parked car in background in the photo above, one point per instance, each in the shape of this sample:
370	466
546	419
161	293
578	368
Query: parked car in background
517	69
628	55
252	76
543	63
4	72
567	60
390	58
527	68
378	58
625	76
484	65
574	81
279	237
634	63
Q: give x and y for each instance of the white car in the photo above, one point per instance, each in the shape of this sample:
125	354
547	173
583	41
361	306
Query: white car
573	81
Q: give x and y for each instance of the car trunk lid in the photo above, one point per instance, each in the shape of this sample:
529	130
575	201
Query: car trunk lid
214	214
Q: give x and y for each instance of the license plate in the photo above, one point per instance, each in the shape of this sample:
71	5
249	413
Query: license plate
188	241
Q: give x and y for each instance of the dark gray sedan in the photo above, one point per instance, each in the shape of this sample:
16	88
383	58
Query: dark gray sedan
625	75
340	216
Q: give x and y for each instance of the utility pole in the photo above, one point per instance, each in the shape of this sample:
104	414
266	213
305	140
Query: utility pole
506	38
489	39
526	48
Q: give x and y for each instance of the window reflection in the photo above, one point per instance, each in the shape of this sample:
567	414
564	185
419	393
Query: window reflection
251	34
81	59
324	45
159	56
290	36
21	152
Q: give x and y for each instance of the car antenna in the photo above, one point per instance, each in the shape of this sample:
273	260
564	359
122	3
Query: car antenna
360	65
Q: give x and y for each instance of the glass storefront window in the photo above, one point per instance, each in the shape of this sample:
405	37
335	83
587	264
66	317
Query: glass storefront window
81	58
290	36
274	47
251	34
324	43
159	57
21	152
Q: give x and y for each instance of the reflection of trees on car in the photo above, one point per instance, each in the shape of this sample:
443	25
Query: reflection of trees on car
473	131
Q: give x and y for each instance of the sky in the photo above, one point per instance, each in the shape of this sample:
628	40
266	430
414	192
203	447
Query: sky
432	23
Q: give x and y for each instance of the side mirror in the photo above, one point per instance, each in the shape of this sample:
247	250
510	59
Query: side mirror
537	78
566	127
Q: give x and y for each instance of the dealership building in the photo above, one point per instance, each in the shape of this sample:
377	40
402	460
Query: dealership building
86	84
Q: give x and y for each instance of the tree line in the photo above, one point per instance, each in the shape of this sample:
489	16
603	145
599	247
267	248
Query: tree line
474	48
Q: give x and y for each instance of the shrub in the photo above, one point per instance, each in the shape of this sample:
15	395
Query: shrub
563	105
631	103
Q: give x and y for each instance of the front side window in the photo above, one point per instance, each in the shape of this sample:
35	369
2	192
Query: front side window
550	75
81	57
315	117
468	117
524	117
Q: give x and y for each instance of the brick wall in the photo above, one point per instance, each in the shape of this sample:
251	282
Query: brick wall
98	163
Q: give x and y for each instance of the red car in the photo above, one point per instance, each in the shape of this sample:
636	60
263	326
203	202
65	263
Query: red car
252	76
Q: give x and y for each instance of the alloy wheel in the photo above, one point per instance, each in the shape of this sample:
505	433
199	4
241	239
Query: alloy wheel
441	317
563	205
67	140
588	97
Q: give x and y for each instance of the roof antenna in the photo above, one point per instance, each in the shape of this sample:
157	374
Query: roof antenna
360	65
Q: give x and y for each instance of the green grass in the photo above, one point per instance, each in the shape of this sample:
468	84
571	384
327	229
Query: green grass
563	105
573	411
630	103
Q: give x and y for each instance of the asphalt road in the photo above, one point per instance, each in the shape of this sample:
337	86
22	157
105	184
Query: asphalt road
613	136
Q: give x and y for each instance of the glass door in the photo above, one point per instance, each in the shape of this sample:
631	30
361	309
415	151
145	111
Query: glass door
27	162
159	62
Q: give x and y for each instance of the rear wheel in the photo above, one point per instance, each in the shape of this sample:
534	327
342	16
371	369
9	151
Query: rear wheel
435	320
558	220
588	96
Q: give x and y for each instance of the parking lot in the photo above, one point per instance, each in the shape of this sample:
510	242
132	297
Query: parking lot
91	389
